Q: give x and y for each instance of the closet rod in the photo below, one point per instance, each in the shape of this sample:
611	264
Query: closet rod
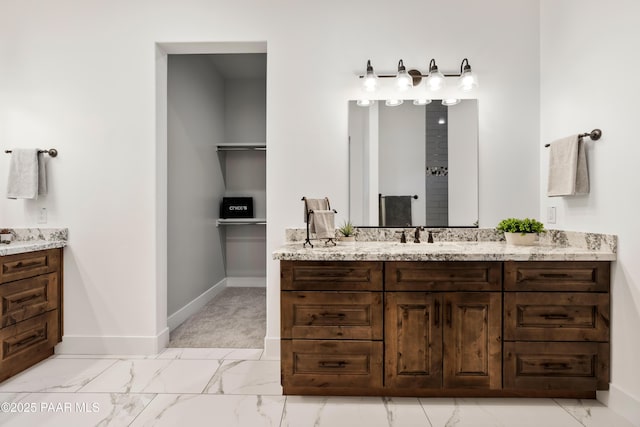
594	135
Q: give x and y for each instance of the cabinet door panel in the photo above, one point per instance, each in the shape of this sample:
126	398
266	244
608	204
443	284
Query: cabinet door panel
472	340
413	340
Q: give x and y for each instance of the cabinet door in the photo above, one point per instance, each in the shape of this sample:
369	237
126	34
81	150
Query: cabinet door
413	340
472	340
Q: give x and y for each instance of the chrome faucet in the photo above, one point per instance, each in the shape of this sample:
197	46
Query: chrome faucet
416	234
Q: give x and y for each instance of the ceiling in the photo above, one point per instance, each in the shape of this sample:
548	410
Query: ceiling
240	65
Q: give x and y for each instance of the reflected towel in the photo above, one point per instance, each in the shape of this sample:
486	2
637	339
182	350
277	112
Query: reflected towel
324	221
315	205
568	173
397	211
27	174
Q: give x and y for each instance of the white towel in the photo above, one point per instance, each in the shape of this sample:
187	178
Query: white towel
324	222
27	174
568	174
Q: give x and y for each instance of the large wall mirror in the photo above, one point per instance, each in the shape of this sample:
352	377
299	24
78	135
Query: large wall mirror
397	153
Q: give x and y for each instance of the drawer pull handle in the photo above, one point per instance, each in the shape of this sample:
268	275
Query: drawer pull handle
449	314
556	316
327	315
29	298
27	340
555	275
555	366
437	315
332	364
21	264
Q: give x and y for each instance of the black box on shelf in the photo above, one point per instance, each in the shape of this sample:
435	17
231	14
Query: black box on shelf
236	207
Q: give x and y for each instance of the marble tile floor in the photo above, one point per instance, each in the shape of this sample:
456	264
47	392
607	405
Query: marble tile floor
237	387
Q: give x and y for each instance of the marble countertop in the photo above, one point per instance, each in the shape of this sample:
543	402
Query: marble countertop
440	251
34	239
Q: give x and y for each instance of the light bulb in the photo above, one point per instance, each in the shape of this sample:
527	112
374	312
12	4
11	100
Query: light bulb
450	101
370	80
421	101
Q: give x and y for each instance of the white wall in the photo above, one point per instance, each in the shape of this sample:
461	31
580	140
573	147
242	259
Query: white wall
463	162
80	76
589	51
195	185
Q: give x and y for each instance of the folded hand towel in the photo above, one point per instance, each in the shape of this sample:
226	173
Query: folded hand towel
324	221
568	174
397	211
27	174
314	205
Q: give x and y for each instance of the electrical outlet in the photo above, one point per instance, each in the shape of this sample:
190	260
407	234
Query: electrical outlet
551	215
42	216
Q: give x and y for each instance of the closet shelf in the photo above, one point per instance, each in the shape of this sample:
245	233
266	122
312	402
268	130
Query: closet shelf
241	221
246	146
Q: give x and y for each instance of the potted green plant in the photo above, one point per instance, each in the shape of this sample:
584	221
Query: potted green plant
520	231
348	232
5	235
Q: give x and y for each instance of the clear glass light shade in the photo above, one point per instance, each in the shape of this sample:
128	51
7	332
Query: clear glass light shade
365	102
403	80
450	101
370	82
393	102
421	101
467	81
435	81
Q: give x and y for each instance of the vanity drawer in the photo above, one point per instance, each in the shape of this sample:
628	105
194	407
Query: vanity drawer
556	366
316	363
560	276
331	315
30	264
331	276
537	316
27	298
443	276
26	342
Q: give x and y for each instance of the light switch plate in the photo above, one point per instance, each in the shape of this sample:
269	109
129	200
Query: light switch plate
551	215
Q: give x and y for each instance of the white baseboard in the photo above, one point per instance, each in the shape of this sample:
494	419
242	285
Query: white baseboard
83	344
621	402
176	319
247	282
271	348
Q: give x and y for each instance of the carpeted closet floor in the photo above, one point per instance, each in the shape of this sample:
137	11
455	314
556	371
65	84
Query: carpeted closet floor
235	318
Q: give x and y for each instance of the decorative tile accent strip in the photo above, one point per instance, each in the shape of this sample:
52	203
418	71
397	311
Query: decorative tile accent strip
437	171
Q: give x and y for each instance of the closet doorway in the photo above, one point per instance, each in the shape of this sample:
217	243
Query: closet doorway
216	149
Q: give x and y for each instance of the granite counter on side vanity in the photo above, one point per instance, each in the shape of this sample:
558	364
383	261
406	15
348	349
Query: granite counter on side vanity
34	239
467	315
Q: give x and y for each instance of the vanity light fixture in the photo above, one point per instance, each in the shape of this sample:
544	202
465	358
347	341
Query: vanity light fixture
435	81
451	101
370	82
421	101
441	121
403	80
393	102
468	80
365	102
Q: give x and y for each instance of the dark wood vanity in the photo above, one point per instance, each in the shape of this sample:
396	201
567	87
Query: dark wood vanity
445	328
30	308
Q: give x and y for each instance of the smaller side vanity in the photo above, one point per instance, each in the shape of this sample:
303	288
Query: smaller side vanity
452	318
30	300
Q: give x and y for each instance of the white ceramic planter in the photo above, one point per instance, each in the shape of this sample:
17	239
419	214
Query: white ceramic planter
349	239
519	239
